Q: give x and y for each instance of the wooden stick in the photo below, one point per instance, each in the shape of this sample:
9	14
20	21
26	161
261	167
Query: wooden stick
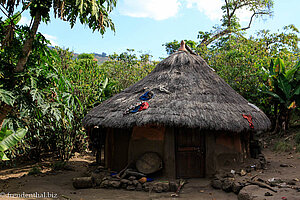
254	176
181	183
123	170
66	197
263	185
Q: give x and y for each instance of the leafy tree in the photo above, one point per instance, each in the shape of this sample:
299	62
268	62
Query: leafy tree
146	58
40	98
43	100
128	57
87	77
94	14
126	69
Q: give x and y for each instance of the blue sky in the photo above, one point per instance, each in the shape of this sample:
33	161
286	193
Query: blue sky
144	25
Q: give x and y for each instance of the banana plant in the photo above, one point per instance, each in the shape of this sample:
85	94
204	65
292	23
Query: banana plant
285	85
285	90
8	139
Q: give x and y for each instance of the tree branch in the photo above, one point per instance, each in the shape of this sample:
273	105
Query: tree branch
227	10
216	36
249	25
251	19
206	42
26	50
21	11
232	13
3	11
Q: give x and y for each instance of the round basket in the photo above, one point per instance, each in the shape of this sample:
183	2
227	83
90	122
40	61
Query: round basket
149	163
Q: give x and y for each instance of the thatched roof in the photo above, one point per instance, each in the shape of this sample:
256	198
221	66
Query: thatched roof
188	93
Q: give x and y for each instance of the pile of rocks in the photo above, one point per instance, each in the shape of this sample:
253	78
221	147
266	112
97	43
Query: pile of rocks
105	180
234	181
227	182
247	185
131	183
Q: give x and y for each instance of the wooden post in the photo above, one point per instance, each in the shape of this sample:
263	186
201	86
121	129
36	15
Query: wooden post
169	154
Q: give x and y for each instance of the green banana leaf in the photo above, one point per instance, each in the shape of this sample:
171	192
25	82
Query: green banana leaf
285	86
271	68
281	66
292	73
12	139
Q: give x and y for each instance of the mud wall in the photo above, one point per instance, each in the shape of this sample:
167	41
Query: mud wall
223	150
144	139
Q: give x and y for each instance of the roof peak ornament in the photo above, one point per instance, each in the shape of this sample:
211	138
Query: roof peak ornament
185	47
182	46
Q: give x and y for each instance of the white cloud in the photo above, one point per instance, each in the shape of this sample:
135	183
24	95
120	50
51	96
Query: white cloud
164	9
52	39
24	21
154	9
211	8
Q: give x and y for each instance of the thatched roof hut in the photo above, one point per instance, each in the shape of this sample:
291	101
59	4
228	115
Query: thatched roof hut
188	94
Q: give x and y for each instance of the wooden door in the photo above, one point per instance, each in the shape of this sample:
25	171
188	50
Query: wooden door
190	153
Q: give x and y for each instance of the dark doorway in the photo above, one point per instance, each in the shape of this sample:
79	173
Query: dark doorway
97	137
190	153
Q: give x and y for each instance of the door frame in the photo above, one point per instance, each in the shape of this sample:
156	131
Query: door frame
203	150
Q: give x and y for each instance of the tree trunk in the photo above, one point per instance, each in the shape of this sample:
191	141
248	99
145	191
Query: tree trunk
27	48
282	120
276	119
286	119
275	111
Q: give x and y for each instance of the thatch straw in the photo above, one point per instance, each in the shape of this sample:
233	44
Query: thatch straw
187	94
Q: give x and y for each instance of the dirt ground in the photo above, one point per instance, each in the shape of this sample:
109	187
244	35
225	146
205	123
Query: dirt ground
58	184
